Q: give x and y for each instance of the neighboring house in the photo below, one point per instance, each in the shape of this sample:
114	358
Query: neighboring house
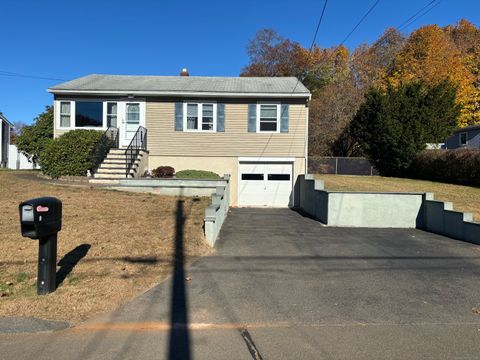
5	128
254	129
467	137
18	160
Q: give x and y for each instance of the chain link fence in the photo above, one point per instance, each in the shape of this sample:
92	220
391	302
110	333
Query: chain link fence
340	166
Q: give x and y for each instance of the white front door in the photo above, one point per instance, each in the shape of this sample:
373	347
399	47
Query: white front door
133	117
265	184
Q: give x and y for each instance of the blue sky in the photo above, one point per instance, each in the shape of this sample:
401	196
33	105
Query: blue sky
66	39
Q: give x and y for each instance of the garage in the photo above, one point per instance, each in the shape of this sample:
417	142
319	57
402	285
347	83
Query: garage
265	183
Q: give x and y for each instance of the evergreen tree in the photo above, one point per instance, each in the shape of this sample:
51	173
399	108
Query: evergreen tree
33	138
394	125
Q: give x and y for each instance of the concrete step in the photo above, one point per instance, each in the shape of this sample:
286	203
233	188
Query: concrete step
115	156
117	151
113	165
119	167
121	175
114	171
113	162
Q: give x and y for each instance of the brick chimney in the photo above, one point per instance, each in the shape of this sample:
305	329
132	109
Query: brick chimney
184	72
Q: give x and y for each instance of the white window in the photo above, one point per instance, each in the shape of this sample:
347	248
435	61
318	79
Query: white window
133	113
207	117
268	117
112	114
200	116
463	138
65	113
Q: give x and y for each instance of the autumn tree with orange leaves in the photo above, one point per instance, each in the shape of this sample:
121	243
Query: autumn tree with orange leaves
339	79
430	55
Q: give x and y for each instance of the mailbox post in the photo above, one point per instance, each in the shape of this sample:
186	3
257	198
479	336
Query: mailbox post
41	219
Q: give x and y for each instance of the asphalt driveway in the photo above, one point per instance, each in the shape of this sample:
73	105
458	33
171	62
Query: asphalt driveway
282	286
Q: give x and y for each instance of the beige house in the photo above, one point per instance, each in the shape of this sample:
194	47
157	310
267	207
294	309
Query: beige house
254	129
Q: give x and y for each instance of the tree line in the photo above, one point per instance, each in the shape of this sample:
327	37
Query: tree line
438	65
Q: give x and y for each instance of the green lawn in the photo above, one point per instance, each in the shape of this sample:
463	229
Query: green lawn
464	198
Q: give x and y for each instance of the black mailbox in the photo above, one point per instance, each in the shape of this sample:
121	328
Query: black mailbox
40	217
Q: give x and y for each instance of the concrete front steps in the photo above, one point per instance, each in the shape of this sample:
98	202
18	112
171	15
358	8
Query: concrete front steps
113	167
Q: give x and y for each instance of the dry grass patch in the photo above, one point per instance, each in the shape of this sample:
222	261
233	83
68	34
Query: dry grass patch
127	241
464	198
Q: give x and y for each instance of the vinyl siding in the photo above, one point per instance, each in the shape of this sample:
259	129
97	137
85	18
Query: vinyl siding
235	141
473	140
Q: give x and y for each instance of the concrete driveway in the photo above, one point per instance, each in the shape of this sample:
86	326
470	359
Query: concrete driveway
281	286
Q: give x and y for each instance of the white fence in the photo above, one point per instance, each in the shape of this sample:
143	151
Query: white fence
17	160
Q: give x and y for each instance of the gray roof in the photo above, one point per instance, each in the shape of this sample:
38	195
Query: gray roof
183	85
468	128
5	119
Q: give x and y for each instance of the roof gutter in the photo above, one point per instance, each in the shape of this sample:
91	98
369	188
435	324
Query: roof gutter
178	93
6	120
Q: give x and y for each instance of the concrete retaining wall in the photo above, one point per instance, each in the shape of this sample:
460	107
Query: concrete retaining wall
219	190
173	187
217	212
384	210
392	210
359	209
440	218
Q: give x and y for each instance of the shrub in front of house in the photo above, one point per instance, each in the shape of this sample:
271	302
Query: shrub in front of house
197	174
72	154
163	172
460	166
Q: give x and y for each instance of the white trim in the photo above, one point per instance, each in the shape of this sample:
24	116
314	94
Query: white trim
279	109
265	159
122	117
105	111
307	112
59	107
199	116
2	117
120	112
182	93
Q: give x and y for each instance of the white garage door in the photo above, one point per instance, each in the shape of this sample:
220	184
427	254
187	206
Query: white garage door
265	184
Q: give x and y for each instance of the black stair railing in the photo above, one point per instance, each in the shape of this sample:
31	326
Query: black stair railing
108	140
138	143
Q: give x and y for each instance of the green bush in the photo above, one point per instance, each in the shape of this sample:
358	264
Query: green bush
34	138
197	174
70	154
460	166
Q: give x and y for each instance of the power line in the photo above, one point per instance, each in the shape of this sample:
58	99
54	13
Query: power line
410	20
313	41
361	20
12	74
318	27
420	16
418	12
